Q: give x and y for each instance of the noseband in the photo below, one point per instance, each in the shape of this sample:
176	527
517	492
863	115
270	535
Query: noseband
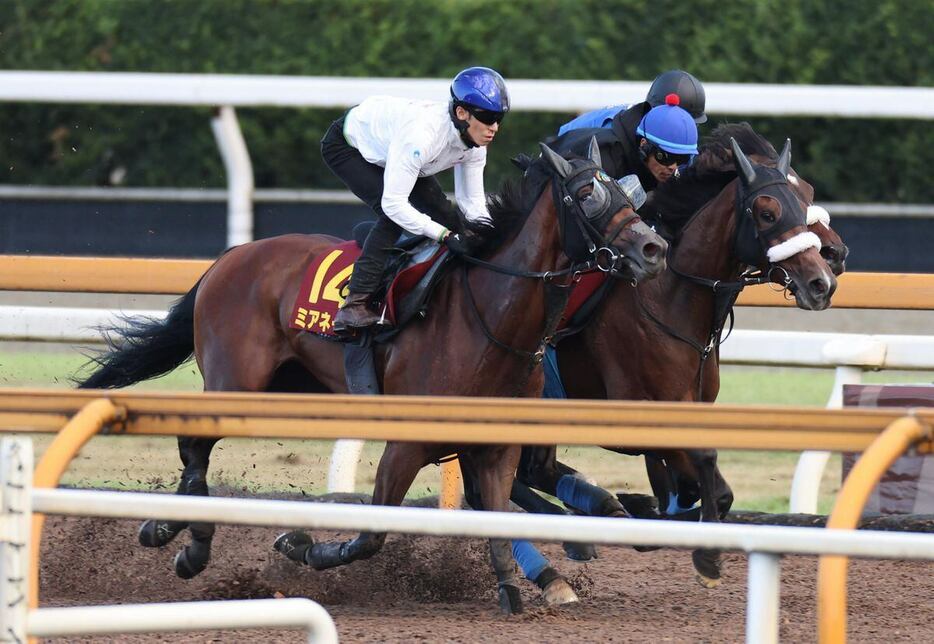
751	245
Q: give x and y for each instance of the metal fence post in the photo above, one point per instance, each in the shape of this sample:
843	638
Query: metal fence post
239	176
762	605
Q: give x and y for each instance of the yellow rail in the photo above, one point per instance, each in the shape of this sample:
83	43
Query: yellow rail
460	420
831	576
176	276
78	431
99	274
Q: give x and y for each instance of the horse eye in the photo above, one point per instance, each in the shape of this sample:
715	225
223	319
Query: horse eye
768	216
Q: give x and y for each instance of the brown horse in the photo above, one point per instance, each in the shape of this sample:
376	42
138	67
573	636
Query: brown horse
677	490
659	341
236	322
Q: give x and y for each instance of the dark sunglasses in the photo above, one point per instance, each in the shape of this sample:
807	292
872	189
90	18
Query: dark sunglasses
485	116
667	158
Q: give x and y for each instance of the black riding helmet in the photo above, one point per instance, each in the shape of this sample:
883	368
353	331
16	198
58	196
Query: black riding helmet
687	87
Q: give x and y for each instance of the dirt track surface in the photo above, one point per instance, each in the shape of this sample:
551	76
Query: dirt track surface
431	589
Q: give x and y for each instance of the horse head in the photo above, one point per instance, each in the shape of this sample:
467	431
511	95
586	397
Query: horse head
833	249
597	219
772	231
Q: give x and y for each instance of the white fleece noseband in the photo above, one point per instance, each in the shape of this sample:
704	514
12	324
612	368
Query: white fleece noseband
818	214
793	246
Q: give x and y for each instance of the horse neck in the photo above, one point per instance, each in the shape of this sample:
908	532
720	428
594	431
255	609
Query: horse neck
646	362
705	246
514	306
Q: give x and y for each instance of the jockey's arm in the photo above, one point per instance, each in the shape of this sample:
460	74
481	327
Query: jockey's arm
403	163
468	189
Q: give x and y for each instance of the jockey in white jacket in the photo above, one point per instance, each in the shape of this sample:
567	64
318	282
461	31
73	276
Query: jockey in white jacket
387	151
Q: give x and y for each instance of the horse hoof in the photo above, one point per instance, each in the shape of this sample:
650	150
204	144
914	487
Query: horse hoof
707	566
510	601
706	582
559	592
155	534
191	561
294	545
646	548
579	551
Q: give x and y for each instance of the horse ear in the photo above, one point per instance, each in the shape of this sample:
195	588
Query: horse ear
594	152
784	160
556	161
743	166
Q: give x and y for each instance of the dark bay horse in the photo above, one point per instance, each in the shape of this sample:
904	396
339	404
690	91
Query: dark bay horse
658	341
679	490
236	322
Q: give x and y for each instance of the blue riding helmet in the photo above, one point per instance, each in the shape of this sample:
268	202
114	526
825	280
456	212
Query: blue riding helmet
670	127
481	88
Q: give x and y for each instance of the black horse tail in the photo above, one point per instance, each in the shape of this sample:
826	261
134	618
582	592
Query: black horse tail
143	347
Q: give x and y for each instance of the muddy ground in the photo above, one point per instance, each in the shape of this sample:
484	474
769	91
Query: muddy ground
434	589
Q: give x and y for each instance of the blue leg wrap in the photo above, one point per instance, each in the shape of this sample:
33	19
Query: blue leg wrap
581	495
674	505
529	559
554	388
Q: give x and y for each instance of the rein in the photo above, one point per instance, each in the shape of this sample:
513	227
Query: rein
556	297
724	292
603	257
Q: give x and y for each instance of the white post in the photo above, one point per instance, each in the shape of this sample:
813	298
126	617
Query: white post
805	486
16	507
762	598
342	473
239	176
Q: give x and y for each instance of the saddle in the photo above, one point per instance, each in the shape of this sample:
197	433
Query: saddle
415	267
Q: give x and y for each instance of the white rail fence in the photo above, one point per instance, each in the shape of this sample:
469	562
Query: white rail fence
764	544
229	91
849	354
17	622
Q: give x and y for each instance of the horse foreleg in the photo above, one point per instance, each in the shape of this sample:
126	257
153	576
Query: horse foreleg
707	561
535	566
527	499
495	470
394	475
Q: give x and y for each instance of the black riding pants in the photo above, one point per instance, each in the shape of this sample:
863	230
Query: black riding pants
365	180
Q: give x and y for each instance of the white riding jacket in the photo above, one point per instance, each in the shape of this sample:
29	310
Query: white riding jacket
413	139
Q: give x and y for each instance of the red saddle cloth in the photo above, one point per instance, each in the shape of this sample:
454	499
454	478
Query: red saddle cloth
324	288
583	290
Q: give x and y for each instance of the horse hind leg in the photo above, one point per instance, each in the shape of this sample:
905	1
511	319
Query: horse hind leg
193	558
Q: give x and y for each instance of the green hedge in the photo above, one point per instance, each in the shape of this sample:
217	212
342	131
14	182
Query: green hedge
786	41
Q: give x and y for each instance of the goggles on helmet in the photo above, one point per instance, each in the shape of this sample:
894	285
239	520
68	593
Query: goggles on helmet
486	117
664	157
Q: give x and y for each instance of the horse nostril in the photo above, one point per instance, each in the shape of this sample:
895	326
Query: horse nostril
651	250
818	286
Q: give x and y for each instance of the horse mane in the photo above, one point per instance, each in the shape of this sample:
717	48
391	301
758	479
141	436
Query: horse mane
507	212
676	200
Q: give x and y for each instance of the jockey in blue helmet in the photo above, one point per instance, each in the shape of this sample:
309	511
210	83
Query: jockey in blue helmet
387	151
669	138
649	144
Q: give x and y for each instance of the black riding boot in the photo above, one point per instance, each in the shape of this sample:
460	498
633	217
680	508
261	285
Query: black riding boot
355	315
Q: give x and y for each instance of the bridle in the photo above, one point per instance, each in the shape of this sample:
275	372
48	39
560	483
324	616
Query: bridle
580	220
752	184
